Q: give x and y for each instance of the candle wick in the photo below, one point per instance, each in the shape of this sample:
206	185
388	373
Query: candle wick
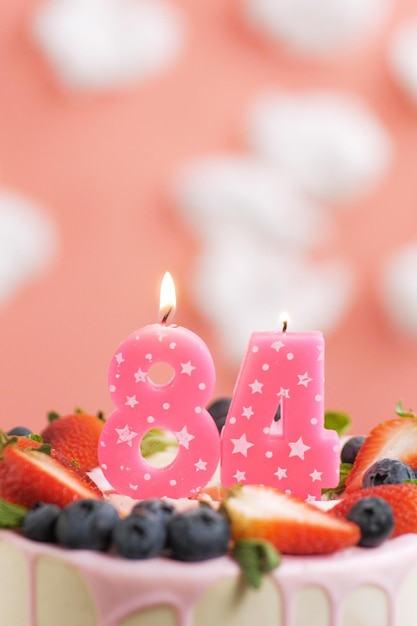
167	314
284	326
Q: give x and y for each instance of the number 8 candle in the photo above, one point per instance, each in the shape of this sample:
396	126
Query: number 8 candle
296	453
176	406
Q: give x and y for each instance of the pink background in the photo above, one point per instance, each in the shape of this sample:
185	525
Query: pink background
101	166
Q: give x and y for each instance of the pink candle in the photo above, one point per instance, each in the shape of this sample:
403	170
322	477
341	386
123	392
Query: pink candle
176	406
296	453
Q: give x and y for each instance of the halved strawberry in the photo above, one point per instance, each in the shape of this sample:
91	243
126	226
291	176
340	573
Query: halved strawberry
76	436
292	525
28	476
393	439
402	499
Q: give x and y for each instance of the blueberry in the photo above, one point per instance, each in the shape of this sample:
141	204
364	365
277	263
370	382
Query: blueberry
40	521
198	534
19	431
140	536
387	472
351	449
375	519
162	508
86	524
218	411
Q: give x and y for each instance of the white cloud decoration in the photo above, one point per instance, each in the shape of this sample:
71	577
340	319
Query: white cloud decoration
257	231
330	143
314	27
399	288
28	242
102	44
402	57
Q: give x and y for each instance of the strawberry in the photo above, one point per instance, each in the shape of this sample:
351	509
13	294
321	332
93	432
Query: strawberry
402	498
75	436
393	439
28	476
291	525
25	443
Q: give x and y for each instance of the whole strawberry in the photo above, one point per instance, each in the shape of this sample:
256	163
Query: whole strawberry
291	525
401	497
29	475
76	437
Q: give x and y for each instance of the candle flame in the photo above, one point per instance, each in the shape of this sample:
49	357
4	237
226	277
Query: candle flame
167	299
284	318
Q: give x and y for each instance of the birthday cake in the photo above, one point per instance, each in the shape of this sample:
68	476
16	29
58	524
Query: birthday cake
272	558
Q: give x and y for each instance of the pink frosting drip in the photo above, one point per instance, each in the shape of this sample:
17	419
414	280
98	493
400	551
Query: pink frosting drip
120	587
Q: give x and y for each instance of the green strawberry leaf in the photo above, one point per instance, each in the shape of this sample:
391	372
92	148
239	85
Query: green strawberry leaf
400	411
34	437
11	515
255	557
332	493
52	416
155	441
338	421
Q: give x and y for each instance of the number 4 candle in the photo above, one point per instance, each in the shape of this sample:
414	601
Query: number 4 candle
295	453
176	406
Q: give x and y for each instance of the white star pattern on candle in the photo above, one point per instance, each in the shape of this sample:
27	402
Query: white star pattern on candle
161	334
184	437
125	435
119	358
240	477
241	445
187	368
311	498
304	379
131	401
256	386
281	473
284	393
298	448
200	465
316	475
140	376
277	345
247	412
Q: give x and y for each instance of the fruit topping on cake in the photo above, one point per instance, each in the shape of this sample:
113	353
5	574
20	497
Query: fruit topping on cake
402	499
86	524
76	437
394	439
198	534
375	518
28	474
291	525
140	535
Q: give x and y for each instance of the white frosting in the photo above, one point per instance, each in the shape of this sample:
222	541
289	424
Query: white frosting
398	288
100	44
28	242
318	28
330	143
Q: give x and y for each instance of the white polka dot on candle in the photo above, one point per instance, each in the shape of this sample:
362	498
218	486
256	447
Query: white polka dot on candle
202	386
317	397
314	420
147	477
265	367
268	454
255	349
165	405
197	409
266	431
172	482
112	388
150	419
290	356
232	420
